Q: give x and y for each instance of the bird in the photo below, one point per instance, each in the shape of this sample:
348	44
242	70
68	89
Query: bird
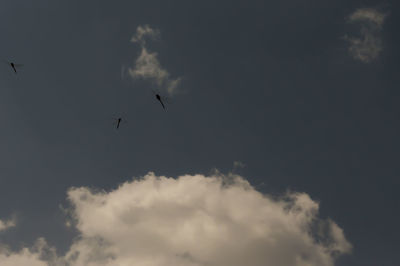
118	122
14	66
158	97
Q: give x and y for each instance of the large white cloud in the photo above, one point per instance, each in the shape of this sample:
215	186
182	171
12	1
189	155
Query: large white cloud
147	66
193	221
368	46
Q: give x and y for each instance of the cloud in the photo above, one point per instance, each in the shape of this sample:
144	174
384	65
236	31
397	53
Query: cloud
238	165
369	15
24	257
368	46
145	31
40	254
148	67
4	225
192	221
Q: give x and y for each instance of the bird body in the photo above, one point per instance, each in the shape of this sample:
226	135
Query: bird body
13	65
159	99
118	121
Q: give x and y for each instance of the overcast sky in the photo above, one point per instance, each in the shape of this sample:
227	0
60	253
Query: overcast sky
278	146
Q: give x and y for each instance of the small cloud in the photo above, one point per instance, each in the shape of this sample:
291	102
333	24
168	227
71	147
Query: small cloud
4	225
173	85
238	164
368	45
148	67
368	15
142	32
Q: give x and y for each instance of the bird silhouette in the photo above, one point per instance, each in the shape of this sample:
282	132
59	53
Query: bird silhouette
117	122
14	66
159	99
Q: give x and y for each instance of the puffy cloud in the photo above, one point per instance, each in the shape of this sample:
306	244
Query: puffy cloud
4	225
368	45
192	221
147	66
39	255
24	257
198	220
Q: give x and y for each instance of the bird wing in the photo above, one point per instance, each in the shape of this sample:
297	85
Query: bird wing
162	104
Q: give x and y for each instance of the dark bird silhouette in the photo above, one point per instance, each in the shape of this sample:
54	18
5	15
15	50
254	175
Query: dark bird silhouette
159	99
118	122
162	99
14	66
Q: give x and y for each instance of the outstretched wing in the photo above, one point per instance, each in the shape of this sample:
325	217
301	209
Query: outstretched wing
163	106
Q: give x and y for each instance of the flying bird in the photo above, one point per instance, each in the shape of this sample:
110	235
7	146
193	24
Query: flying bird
161	99
118	122
14	66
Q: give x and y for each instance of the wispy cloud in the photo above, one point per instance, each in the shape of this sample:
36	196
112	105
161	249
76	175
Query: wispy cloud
6	224
147	65
369	15
238	165
192	221
143	32
368	45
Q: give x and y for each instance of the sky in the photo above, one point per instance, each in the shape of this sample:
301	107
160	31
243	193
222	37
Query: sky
278	145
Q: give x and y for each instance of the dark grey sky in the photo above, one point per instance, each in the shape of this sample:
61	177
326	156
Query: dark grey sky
271	84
